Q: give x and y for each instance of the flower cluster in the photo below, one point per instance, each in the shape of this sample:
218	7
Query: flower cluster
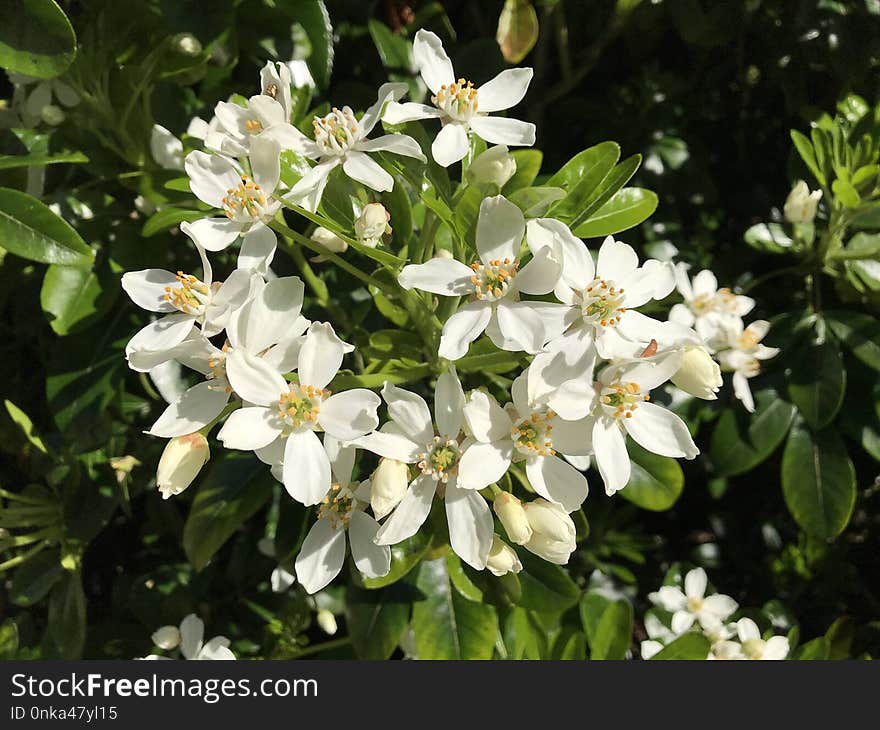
680	611
531	286
188	641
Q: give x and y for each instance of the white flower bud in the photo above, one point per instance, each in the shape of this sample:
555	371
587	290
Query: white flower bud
187	44
698	374
512	515
800	205
495	165
388	486
329	240
167	637
52	115
327	622
502	559
553	532
181	462
372	224
443	253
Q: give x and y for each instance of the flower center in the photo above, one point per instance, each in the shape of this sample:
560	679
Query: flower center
271	90
531	436
602	303
440	459
620	400
336	132
253	126
190	297
245	201
217	376
695	604
748	340
492	280
753	648
336	506
300	406
458	100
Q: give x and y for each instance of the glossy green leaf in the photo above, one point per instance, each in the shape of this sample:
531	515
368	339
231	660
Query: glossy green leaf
30	230
162	220
581	177
688	647
33	580
545	587
845	193
859	333
394	50
805	150
613	182
656	481
405	556
377	619
312	15
627	208
613	632
528	165
524	636
818	383
818	481
535	202
67	615
36	38
72	297
9	162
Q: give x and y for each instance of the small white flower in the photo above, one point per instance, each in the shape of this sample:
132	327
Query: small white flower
495	166
754	647
341	512
659	635
698	373
461	107
341	139
495	281
32	96
743	356
800	205
412	438
693	604
190	638
372	224
166	637
502	558
281	420
388	485
166	149
553	532
181	462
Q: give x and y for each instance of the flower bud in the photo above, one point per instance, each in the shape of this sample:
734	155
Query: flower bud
495	165
502	559
52	115
698	374
800	205
327	621
167	637
517	30
512	515
329	240
389	484
181	462
187	44
443	253
372	224
553	532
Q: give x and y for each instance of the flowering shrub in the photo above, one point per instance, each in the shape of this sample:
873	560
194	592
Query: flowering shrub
379	353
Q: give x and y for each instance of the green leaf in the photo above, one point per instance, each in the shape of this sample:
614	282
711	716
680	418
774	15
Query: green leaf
400	209
818	481
8	639
818	383
528	165
8	162
546	587
613	632
394	50
845	193
524	636
36	38
656	481
860	333
312	15
805	150
236	486
30	230
581	177
627	208
446	624
569	645
67	615
404	557
741	440
377	619
167	218
687	647
35	578
768	238
815	650
535	202
23	421
80	396
72	298
612	183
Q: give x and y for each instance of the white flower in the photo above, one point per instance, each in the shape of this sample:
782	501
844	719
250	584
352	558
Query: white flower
268	325
282	420
181	462
553	532
275	80
461	107
166	149
341	511
327	621
502	558
744	355
341	139
512	515
622	407
800	205
527	431
495	281
707	308
410	437
659	635
495	166
190	638
388	485
754	647
329	240
185	300
372	224
30	103
698	373
246	200
300	75
693	604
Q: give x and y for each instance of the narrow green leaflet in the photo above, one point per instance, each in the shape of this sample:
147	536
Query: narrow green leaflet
818	481
613	633
67	616
805	150
36	38
627	208
446	624
581	177
528	165
859	333
9	162
30	230
656	482
312	15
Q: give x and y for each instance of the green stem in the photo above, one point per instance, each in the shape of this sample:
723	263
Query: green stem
796	269
24	557
21	498
316	284
324	646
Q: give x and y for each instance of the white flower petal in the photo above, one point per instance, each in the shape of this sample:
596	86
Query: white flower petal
558	481
151	345
506	90
321	557
410	412
210	176
192	632
578	269
253	379
695	582
540	275
573	438
448	404
462	328
309	188
432	61
617	260
500	229
450	145
306	472
776	648
470	525
396	113
398	144
521	327
682	621
321	355
341	456
391	446
612	459
147	288
410	514
661	432
371	559
350	414
359	166
192	411
249	428
502	130
486	419
258	249
265	157
720	606
483	464
271	312
447	277
747	629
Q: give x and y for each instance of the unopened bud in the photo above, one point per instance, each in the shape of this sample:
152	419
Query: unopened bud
553	532
800	205
329	240
512	515
443	253
372	224
181	462
388	486
52	115
495	165
327	622
698	374
502	559
167	637
517	30
187	44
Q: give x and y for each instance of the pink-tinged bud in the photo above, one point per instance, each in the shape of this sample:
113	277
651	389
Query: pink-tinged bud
181	462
